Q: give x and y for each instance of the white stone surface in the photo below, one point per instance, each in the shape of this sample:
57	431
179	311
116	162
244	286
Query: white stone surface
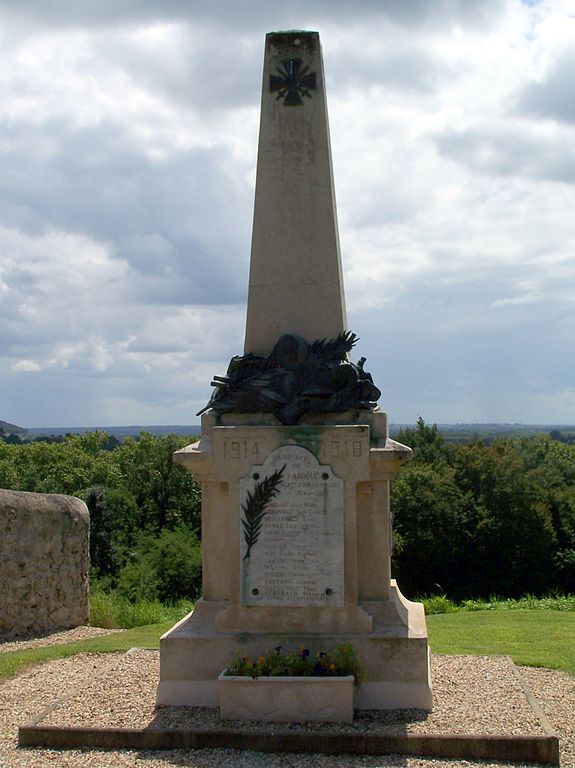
298	557
287	699
395	652
388	632
295	283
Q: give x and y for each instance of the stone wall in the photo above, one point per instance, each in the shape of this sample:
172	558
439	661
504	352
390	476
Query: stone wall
44	561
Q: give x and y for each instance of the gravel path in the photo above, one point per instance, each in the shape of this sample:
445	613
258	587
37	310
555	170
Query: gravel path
460	683
129	701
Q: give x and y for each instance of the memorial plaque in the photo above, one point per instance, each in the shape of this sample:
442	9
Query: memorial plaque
292	544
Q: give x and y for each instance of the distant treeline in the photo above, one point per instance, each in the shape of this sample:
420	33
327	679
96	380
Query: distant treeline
468	433
470	521
13	434
484	519
452	433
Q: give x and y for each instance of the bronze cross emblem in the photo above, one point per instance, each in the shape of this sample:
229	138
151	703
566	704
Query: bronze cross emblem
293	82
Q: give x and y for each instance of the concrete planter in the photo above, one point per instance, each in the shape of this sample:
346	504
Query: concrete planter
286	699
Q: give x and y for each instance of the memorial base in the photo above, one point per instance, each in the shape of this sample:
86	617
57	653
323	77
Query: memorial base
287	699
395	653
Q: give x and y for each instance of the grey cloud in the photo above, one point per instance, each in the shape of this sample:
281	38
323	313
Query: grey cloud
175	231
191	75
442	13
157	345
250	14
452	359
418	71
508	153
554	98
182	223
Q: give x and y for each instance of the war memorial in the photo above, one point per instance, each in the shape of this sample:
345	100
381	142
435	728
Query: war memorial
294	459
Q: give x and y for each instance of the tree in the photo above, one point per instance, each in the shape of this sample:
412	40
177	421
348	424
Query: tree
166	494
516	545
166	567
427	442
433	524
113	528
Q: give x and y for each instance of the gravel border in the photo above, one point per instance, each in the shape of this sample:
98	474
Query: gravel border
30	693
460	685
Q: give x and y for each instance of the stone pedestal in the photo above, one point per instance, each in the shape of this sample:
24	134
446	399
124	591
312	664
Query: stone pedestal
296	527
337	589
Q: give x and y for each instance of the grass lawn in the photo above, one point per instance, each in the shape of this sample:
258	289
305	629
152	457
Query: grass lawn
144	637
531	637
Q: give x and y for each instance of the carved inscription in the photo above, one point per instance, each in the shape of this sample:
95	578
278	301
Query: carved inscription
341	449
241	449
328	449
296	555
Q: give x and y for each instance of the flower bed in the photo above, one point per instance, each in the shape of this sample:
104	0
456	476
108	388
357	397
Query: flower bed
296	687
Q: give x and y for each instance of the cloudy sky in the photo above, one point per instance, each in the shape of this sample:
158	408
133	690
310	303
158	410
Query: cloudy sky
128	141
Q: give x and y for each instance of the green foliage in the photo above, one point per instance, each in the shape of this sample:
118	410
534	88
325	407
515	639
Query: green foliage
69	467
470	520
441	604
434	526
113	522
111	610
438	604
475	520
166	567
337	662
516	540
165	493
427	442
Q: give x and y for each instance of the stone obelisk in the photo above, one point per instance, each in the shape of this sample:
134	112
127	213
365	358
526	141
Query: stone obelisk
295	283
295	459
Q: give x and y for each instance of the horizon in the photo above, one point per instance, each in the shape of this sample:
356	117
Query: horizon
103	427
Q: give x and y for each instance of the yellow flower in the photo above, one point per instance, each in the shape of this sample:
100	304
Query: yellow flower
262	660
332	666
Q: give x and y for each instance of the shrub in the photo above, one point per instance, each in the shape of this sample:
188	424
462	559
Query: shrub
165	568
438	604
111	610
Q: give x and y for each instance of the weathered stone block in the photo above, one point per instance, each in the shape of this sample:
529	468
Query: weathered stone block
44	562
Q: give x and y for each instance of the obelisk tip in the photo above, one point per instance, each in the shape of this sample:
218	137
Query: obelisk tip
295	274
